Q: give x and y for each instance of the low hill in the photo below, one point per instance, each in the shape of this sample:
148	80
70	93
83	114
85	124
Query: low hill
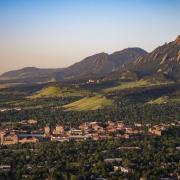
30	75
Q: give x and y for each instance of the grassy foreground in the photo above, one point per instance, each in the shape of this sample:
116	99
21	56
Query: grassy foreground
89	103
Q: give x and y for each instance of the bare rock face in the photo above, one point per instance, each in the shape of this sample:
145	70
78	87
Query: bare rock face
178	40
165	59
178	57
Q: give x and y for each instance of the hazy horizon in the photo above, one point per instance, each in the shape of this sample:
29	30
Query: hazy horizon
56	34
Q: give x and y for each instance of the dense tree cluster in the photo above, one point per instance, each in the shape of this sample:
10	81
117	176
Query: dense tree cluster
156	158
129	113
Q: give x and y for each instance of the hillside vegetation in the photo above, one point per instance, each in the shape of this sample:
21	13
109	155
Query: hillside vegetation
164	100
59	91
133	84
8	85
160	100
89	103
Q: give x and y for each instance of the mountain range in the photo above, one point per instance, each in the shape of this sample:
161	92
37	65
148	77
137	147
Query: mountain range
94	66
163	61
130	63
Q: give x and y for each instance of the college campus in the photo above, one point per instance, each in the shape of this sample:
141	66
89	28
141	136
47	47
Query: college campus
88	130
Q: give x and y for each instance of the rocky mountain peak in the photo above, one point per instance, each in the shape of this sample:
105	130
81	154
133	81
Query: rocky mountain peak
178	40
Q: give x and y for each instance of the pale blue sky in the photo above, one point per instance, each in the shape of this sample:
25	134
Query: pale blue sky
57	33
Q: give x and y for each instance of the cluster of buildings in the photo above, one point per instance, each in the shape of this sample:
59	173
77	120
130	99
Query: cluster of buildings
91	130
10	137
159	129
10	109
88	130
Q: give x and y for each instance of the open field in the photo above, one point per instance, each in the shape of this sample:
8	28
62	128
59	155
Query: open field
89	103
58	91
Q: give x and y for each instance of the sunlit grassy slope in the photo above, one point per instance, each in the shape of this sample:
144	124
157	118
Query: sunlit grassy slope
160	100
59	91
89	103
130	85
164	100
